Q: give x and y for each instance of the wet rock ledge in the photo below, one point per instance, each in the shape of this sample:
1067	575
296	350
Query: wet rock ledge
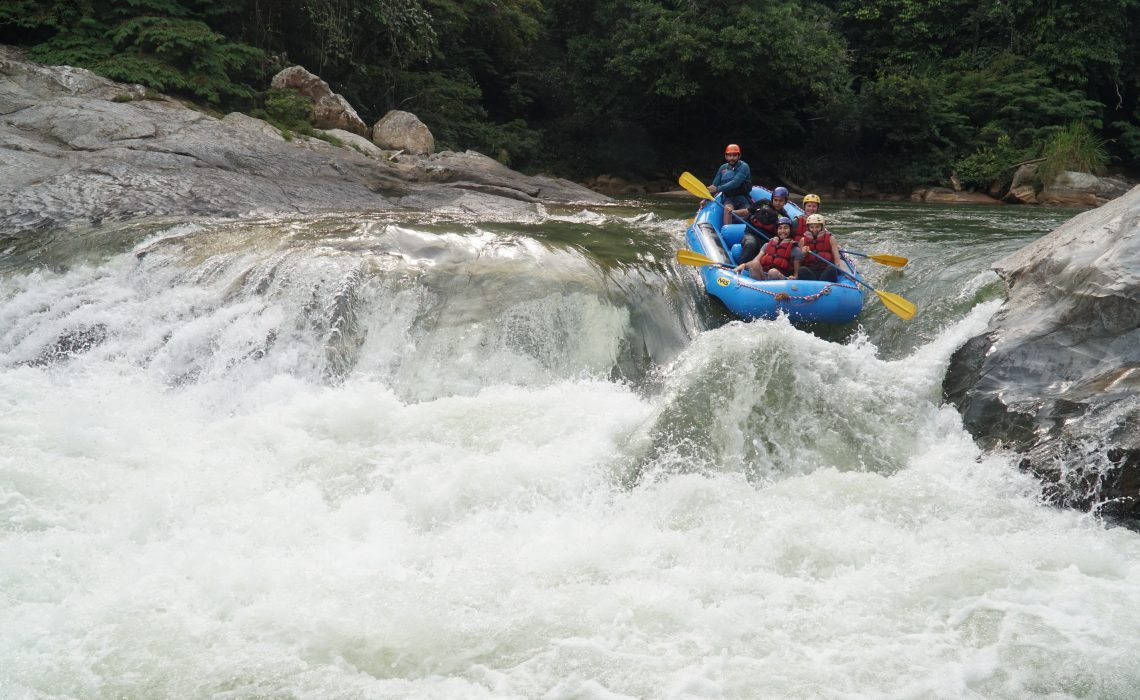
1056	376
77	148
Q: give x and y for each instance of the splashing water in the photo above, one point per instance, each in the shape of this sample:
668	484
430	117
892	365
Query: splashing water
345	458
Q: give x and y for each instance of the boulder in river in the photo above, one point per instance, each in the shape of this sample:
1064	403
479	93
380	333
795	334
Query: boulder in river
945	195
1023	188
1071	188
1056	376
399	130
329	110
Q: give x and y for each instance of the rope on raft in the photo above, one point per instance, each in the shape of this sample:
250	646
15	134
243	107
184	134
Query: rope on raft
784	296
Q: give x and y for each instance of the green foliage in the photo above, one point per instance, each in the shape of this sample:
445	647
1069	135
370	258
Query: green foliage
991	164
163	44
448	102
1019	99
286	110
674	81
898	92
1129	138
35	14
1074	147
329	138
344	33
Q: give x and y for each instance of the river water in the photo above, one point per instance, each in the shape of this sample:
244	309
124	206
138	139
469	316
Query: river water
397	457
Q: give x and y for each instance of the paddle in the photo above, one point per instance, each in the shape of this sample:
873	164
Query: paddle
692	184
688	257
901	307
881	258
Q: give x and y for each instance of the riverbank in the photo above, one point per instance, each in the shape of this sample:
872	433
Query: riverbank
76	148
1097	192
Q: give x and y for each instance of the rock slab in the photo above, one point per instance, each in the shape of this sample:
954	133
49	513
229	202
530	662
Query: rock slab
76	148
1056	376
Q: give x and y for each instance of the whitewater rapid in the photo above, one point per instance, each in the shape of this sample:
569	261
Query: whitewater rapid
236	468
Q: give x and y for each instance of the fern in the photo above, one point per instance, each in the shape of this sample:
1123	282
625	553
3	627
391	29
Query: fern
166	49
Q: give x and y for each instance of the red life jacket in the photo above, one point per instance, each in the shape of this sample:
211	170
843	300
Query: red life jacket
821	246
778	254
769	228
799	226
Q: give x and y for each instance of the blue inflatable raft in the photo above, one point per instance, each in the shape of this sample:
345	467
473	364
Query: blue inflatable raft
802	300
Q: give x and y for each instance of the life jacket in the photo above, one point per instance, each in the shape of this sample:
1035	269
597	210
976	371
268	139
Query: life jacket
799	227
778	254
821	246
729	173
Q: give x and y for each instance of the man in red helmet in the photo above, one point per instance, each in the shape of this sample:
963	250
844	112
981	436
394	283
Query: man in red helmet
733	181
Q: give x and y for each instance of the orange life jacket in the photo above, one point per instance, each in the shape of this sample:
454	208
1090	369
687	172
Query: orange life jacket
778	254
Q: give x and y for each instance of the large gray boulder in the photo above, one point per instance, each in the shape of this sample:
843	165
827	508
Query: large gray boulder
1071	188
1022	190
945	195
403	131
355	142
330	110
1056	376
1110	188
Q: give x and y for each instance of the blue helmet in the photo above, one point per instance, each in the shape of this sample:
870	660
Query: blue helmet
783	220
780	192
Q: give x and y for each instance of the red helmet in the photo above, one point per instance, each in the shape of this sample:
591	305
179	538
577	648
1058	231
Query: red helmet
732	148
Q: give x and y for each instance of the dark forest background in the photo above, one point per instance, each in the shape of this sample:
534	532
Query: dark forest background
897	93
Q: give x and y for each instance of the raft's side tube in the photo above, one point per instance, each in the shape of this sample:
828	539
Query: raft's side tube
763	194
710	242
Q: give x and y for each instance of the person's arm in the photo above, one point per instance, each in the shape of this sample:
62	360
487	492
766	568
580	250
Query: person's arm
839	261
753	267
797	260
715	186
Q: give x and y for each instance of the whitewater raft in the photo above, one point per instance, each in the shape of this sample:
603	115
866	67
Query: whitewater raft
801	300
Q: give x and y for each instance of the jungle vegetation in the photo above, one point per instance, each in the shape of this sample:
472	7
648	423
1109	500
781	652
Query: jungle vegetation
897	93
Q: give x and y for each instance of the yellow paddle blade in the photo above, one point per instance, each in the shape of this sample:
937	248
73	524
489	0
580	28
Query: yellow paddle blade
889	260
688	257
692	184
901	307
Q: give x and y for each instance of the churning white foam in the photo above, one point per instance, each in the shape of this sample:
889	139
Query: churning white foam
259	533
